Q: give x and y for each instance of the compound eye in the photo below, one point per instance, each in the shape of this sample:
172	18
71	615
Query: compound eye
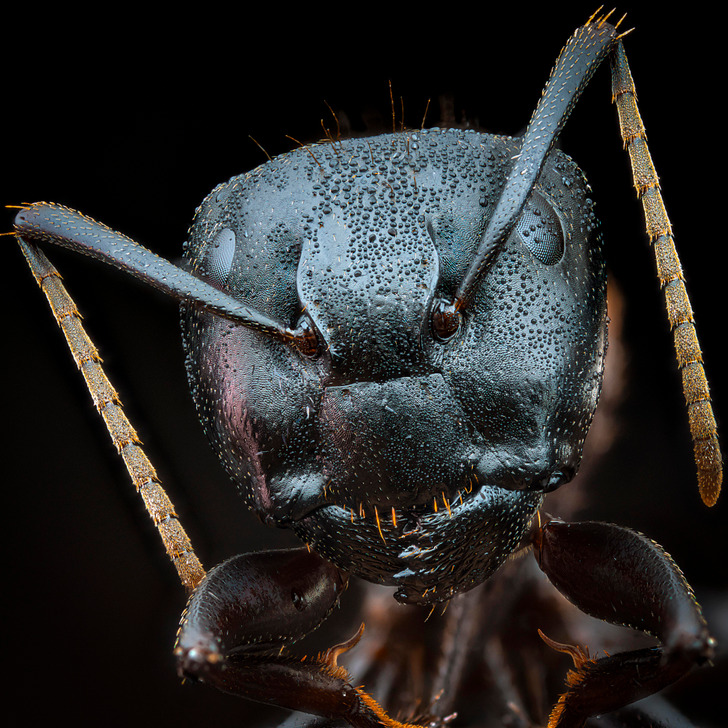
539	229
219	258
446	320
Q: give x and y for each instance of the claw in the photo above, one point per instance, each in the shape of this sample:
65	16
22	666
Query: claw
580	655
331	655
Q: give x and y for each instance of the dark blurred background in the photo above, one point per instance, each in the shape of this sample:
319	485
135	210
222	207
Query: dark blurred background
133	121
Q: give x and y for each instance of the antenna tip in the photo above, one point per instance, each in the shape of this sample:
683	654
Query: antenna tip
709	484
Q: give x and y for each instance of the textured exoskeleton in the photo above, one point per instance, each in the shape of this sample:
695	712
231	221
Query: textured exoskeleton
389	445
396	347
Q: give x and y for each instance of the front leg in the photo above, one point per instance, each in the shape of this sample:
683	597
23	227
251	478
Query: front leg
242	616
618	575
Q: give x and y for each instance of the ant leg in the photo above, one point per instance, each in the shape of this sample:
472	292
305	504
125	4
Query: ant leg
622	577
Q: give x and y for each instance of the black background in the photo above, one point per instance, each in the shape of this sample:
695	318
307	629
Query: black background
133	121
